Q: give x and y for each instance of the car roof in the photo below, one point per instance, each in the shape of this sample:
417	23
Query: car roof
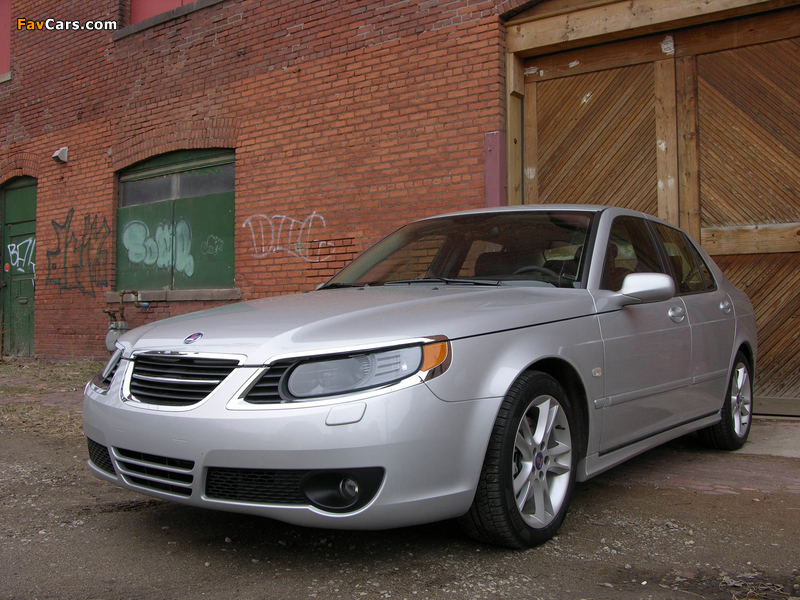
595	208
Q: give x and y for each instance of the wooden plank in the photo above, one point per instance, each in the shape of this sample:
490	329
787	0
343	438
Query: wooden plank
751	239
784	407
598	58
514	149
688	155
531	154
550	8
666	140
515	84
622	19
737	33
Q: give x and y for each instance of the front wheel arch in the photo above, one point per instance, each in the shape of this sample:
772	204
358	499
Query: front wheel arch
567	377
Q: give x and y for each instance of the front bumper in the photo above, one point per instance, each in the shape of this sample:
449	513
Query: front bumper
429	453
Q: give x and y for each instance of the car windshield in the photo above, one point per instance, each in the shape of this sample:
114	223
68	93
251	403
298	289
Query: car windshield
544	248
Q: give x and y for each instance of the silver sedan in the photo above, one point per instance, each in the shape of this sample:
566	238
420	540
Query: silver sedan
473	365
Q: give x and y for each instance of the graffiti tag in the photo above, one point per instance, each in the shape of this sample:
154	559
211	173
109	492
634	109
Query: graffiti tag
212	246
21	255
278	232
170	246
79	260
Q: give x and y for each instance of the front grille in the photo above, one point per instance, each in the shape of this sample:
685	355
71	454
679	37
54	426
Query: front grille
261	486
171	475
177	380
267	389
99	456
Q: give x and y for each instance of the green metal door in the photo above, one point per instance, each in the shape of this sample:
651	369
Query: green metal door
18	201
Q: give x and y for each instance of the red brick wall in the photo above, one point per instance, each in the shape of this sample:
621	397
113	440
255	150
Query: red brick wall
348	120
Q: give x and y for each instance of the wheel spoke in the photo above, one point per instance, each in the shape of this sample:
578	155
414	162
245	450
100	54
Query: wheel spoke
559	449
542	506
741	401
557	470
741	379
525	437
522	478
524	448
524	493
541	422
548	411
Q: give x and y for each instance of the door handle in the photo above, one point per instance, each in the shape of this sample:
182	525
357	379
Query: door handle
677	314
725	306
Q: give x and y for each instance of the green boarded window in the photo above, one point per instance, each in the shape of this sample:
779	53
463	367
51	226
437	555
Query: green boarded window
175	222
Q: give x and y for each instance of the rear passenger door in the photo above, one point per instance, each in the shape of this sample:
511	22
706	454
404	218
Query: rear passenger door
710	314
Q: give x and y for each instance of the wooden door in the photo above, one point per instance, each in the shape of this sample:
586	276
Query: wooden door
748	101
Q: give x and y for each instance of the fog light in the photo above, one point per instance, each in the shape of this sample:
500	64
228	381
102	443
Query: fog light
348	488
342	491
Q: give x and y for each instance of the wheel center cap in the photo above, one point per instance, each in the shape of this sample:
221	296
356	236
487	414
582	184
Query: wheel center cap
538	461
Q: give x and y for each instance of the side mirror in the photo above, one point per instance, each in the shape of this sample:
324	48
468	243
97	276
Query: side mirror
639	288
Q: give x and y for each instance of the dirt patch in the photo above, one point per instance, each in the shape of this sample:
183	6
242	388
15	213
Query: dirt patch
32	378
42	397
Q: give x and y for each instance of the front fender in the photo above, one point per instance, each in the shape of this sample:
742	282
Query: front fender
486	366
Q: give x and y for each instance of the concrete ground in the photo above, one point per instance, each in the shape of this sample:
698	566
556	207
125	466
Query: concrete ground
677	522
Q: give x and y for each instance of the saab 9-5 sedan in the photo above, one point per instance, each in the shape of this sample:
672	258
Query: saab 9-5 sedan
473	365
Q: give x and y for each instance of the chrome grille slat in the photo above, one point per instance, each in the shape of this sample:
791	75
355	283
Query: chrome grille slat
161	473
170	380
152	474
267	389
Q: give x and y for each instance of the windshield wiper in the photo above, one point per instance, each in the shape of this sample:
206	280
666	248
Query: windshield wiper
335	286
445	280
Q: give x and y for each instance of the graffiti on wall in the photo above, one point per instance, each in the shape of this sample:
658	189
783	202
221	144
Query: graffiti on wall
80	258
20	256
212	246
169	246
280	233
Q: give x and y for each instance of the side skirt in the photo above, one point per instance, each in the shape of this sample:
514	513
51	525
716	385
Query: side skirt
597	463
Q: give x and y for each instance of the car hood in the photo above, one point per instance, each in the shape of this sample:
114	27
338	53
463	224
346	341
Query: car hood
330	320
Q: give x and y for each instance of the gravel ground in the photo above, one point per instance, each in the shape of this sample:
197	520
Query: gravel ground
677	522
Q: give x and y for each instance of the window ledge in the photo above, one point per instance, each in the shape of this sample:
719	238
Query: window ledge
5	77
163	18
178	295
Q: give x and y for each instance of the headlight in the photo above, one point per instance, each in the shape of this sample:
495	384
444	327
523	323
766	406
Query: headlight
102	381
353	373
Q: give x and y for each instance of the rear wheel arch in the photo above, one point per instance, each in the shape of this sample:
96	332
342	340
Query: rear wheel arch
746	349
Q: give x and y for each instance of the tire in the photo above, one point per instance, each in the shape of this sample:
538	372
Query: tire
733	428
528	474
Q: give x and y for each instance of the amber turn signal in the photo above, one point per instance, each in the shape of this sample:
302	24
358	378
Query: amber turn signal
433	355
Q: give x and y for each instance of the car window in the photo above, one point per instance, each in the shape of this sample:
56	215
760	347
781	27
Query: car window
687	275
705	272
630	249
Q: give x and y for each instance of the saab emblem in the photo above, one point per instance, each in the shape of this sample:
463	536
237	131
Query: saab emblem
193	338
